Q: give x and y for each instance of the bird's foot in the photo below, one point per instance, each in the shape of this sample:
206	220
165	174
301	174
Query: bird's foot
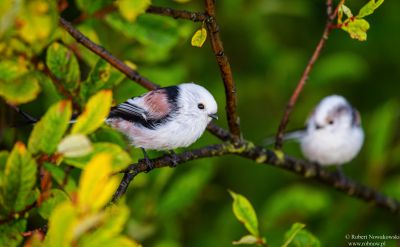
173	158
149	163
340	173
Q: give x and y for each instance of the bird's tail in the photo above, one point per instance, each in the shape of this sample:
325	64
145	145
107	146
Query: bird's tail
27	119
30	120
293	135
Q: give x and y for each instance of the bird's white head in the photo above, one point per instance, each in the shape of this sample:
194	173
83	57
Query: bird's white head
197	102
333	113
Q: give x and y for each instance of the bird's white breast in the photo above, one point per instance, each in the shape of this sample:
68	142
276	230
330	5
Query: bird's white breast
329	147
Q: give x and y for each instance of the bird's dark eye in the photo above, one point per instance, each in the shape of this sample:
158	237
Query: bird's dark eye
330	122
200	106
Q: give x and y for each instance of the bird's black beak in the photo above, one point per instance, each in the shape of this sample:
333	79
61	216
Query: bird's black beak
213	116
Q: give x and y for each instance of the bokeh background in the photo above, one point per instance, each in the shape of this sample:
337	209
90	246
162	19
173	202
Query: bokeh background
268	43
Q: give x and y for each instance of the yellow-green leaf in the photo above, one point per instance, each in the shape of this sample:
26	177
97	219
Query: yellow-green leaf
36	22
49	130
199	37
96	185
289	236
19	179
343	9
357	29
102	76
17	85
95	113
64	65
369	8
245	213
75	146
61	226
248	239
131	9
120	158
297	236
56	197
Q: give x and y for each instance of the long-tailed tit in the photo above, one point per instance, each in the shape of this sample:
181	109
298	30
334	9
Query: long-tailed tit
162	119
165	118
333	135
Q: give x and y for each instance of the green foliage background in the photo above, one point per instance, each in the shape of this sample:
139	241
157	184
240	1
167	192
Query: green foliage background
268	43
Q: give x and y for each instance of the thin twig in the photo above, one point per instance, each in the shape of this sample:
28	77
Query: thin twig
103	53
177	14
226	72
293	99
268	157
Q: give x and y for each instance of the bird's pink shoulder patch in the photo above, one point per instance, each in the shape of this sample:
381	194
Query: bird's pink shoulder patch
157	103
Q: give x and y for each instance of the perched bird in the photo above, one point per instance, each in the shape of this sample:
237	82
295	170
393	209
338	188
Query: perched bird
333	135
165	118
162	119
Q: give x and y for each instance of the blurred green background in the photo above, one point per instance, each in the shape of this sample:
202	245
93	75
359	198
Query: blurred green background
268	43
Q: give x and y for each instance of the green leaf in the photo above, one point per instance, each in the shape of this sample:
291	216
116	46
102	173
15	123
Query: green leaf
49	130
131	9
96	185
64	65
75	146
245	213
248	239
3	161
298	237
17	85
11	233
357	29
289	236
62	221
56	197
199	37
95	113
102	76
120	158
369	8
19	179
59	176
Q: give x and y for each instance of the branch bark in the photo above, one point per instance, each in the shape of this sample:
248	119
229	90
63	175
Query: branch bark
177	14
226	72
103	53
300	85
268	157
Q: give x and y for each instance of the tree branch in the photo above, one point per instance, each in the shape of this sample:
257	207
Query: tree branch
293	99
268	157
103	53
246	149
226	72
177	14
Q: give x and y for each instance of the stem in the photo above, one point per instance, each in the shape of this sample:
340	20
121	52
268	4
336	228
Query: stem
226	72
300	85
